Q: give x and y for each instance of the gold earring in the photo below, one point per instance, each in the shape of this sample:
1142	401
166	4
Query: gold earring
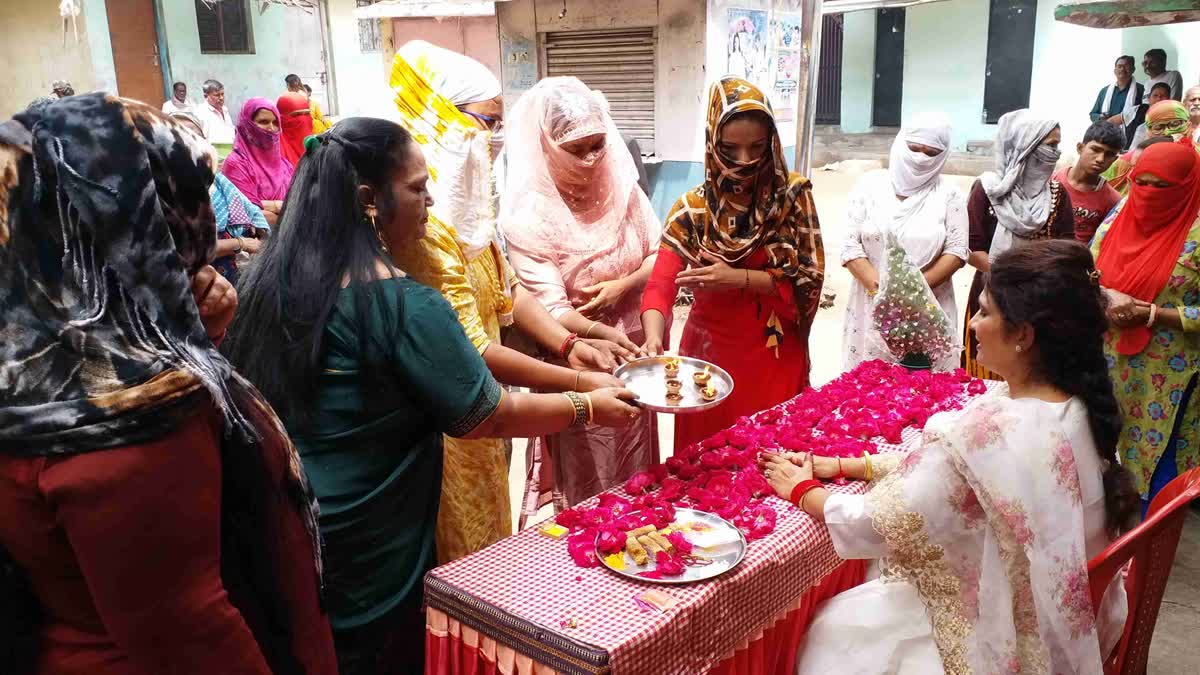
372	212
1020	348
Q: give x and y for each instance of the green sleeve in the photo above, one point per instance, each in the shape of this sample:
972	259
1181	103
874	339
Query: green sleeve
443	368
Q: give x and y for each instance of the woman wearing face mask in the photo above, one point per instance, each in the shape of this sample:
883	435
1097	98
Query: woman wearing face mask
153	507
452	106
926	213
748	244
1148	254
257	165
1018	202
240	224
1165	119
582	238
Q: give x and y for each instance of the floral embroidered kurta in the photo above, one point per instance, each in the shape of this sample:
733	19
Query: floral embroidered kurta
1151	385
872	208
475	506
984	531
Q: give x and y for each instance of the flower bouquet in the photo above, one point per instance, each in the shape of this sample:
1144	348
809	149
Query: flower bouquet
914	330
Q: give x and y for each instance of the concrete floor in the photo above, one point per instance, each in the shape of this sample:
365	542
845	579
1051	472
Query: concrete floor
1175	649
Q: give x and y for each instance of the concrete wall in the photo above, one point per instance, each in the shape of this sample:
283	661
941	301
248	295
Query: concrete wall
858	70
34	55
945	57
361	77
1181	42
680	71
244	75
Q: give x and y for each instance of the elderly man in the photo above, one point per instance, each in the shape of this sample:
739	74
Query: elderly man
214	117
1191	99
1155	65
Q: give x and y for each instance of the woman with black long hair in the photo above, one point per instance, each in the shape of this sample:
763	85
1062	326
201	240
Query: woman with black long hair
369	368
985	530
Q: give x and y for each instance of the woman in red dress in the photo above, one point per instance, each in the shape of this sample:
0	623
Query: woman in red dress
748	244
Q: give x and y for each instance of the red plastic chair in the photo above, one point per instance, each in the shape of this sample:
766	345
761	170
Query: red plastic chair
1151	546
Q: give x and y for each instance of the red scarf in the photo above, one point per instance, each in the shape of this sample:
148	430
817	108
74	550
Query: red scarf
1143	245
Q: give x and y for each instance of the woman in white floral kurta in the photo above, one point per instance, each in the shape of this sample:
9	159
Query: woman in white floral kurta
984	531
929	217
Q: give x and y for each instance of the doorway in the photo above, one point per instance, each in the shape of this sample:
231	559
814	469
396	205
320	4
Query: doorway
134	37
829	76
889	68
1009	57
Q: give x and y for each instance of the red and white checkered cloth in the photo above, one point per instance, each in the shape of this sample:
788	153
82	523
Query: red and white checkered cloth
531	577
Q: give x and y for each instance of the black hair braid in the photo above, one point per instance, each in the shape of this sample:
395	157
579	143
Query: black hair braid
1053	287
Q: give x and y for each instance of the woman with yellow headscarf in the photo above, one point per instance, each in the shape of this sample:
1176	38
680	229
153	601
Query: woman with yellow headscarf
748	244
452	105
1165	118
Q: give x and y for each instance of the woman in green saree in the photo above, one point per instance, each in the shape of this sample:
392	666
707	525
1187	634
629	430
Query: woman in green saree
368	369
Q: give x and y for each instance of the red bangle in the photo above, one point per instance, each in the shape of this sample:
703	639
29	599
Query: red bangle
801	488
565	349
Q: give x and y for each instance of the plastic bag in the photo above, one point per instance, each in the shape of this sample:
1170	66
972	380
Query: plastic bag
910	326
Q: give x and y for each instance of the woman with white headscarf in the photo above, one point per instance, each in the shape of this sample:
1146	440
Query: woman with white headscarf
925	211
452	105
582	237
1017	202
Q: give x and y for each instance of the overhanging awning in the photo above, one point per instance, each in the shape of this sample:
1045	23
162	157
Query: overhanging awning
1127	13
388	9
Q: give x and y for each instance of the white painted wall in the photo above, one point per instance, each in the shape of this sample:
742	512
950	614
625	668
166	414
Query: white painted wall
681	100
34	55
361	78
945	57
858	70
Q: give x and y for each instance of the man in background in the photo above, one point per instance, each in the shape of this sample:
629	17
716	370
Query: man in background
1091	196
178	102
214	117
1191	99
1155	65
1118	103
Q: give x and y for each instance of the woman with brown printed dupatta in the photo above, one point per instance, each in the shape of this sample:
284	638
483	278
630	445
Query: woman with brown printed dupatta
748	245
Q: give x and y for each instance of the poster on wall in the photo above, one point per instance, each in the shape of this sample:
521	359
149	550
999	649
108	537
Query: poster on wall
786	63
520	70
746	46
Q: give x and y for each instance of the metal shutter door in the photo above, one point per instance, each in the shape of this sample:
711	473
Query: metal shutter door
619	63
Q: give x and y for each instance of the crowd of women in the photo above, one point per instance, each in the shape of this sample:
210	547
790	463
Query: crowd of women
203	479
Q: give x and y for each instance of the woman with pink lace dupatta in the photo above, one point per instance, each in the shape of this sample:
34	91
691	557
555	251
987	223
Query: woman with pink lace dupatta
582	237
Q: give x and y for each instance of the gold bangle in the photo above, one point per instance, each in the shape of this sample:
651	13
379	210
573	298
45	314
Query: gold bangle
870	470
574	414
578	374
588	333
588	398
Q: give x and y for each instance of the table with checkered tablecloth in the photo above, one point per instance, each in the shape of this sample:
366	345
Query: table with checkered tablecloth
523	603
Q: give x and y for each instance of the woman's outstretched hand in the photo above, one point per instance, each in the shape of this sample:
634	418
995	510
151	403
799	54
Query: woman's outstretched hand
783	473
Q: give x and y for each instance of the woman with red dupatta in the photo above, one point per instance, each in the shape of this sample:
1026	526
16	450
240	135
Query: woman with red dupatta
295	119
1148	255
748	244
